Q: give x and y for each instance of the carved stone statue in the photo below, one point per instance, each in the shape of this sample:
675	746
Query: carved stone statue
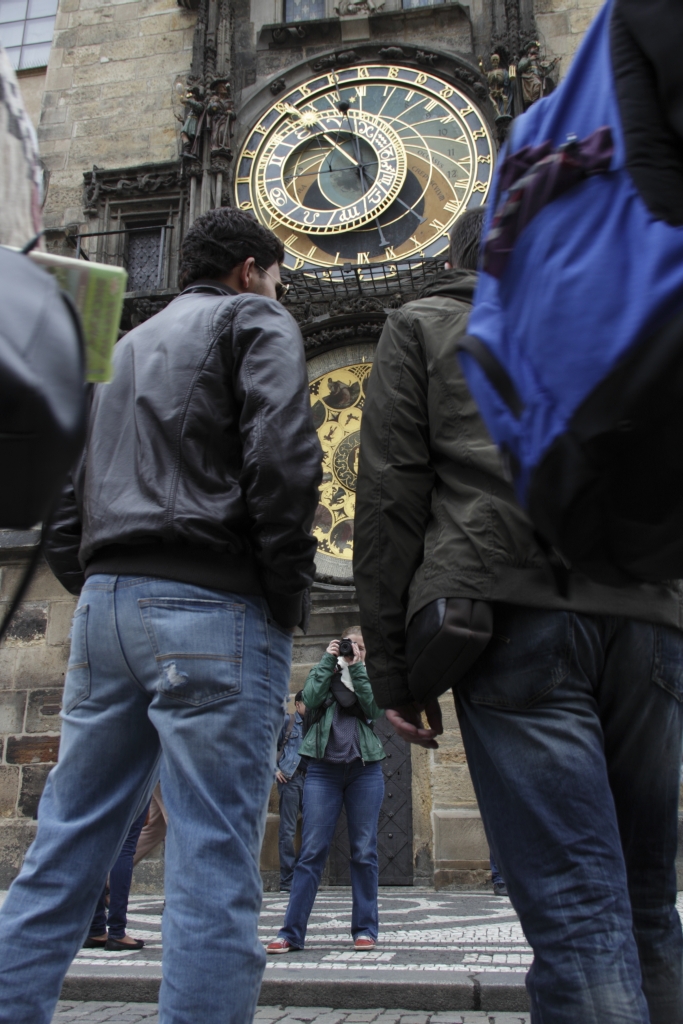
499	85
347	8
534	74
189	133
219	110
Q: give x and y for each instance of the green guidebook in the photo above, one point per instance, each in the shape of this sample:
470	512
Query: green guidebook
97	291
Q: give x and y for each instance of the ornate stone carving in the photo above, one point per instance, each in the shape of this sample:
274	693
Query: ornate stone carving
278	86
347	8
124	184
534	74
221	115
332	60
424	57
498	78
391	53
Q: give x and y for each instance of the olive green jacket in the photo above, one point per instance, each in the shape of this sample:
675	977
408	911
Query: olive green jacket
435	515
315	692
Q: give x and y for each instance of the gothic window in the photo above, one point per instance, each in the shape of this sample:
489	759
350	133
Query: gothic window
304	10
144	249
26	30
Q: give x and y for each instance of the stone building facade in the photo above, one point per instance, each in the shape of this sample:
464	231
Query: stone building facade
120	188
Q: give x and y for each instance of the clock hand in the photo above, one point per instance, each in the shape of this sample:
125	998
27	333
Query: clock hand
382	240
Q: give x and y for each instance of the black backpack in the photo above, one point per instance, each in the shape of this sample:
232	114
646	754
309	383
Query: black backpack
42	394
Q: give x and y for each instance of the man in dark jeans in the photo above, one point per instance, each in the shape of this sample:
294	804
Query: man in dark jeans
290	775
571	718
187	535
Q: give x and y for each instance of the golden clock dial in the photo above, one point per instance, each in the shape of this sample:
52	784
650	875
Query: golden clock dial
337	383
368	164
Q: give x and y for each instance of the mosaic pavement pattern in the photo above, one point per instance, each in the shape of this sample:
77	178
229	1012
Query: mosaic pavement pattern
419	931
146	1013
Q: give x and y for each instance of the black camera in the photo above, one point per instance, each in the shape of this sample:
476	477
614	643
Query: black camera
345	648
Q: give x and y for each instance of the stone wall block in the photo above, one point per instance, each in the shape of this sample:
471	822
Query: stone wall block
42	712
79	56
580	20
32	749
28	626
59	78
56	115
8	664
15	839
42	587
127	12
12	707
106	32
40	667
9	789
101	74
33	779
59	618
174	20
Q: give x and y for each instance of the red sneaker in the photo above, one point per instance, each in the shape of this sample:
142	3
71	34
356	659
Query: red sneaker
364	942
280	946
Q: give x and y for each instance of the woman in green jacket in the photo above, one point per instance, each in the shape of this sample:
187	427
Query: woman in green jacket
343	770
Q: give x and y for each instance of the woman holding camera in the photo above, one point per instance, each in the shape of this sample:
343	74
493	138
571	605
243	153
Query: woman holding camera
344	769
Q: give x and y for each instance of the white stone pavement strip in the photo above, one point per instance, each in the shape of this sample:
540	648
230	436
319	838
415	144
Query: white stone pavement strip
133	1013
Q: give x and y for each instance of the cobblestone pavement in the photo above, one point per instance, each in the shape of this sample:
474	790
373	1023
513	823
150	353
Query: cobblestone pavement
420	930
132	1013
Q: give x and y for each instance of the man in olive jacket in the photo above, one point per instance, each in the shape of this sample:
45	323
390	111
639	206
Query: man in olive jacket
571	718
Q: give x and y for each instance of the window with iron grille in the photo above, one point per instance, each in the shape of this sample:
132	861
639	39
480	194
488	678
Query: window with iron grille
304	10
144	250
26	30
407	4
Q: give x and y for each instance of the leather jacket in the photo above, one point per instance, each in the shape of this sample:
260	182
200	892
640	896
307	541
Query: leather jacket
201	463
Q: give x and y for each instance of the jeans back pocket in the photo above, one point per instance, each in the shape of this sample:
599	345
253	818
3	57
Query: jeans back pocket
197	645
77	683
668	665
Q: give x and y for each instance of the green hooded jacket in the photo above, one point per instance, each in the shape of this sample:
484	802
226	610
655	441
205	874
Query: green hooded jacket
435	514
315	692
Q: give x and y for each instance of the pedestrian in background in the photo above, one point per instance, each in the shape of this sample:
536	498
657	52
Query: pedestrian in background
344	770
108	926
290	775
155	827
187	534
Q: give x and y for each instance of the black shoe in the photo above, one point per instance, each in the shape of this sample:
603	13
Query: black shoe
500	889
94	943
115	946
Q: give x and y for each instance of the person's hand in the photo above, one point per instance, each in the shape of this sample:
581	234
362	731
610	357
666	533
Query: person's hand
333	648
280	777
406	720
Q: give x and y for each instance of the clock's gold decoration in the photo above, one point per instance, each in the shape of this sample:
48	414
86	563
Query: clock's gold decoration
337	402
368	164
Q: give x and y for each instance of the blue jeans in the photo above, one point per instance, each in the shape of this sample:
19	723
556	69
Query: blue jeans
120	877
572	726
360	788
291	799
195	679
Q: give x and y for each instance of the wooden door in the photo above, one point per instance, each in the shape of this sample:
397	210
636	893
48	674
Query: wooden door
395	829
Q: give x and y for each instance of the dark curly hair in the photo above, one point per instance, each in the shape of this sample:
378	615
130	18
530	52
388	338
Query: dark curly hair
466	239
220	240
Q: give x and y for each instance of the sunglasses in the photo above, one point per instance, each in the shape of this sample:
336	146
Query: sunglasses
280	288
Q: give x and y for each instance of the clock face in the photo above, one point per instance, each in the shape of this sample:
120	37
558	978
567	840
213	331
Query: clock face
369	164
337	382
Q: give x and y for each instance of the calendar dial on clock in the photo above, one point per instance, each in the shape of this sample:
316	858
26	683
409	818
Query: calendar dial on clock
368	164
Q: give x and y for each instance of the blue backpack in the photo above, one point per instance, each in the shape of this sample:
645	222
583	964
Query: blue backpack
574	351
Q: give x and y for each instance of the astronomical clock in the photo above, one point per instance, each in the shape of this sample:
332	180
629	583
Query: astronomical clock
368	165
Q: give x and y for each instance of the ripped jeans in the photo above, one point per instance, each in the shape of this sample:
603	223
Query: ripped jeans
162	675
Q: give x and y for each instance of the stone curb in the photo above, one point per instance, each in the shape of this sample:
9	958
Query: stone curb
483	991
